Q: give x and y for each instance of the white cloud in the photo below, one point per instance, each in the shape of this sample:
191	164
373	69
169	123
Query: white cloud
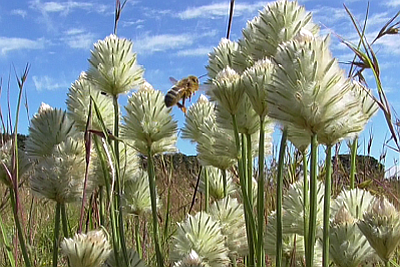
66	7
10	44
220	10
78	39
47	83
163	42
200	51
392	3
137	22
19	12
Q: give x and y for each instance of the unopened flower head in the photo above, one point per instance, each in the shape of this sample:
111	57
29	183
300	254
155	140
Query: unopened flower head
113	66
60	175
136	195
148	122
202	234
78	103
308	85
256	80
381	226
49	127
348	246
227	90
279	22
216	183
6	168
86	250
226	54
230	214
196	117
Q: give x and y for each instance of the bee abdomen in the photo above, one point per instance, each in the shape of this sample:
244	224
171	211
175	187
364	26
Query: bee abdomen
172	97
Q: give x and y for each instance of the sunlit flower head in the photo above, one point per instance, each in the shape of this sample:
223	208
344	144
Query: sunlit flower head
86	250
381	226
202	234
195	118
113	66
148	122
48	128
256	81
78	103
191	260
60	175
226	54
309	87
356	202
230	214
279	22
226	88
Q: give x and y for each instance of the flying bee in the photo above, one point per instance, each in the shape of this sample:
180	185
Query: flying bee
182	89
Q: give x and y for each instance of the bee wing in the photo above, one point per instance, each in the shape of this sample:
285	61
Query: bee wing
173	80
204	87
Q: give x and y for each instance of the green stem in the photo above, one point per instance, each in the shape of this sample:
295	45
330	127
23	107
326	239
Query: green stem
306	204
353	162
167	210
249	170
207	190
313	202
327	206
279	190
260	197
56	233
107	182
152	184
19	230
245	161
248	210
118	183
224	180
137	236
64	220
101	202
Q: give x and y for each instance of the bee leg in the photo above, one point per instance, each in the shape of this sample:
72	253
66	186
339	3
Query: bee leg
183	105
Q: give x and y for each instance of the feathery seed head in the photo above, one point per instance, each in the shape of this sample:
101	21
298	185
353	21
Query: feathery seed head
279	22
227	90
230	214
192	260
356	202
202	234
86	250
256	80
78	103
113	66
148	122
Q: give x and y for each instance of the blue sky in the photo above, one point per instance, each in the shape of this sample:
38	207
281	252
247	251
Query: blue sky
171	38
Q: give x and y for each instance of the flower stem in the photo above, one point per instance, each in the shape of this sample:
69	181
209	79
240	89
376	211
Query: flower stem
64	220
353	162
137	236
327	204
306	204
207	190
260	197
6	243
249	170
224	180
279	189
313	202
56	233
248	210
152	184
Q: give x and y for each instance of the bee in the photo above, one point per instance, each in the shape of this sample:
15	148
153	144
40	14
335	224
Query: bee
182	89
